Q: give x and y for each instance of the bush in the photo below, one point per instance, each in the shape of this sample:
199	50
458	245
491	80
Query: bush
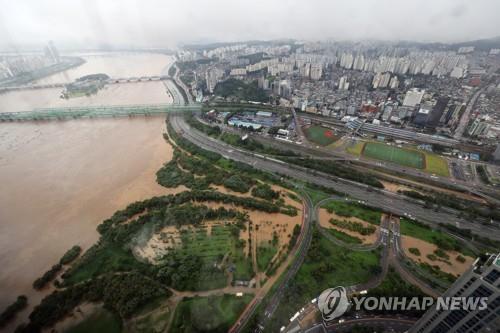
237	184
47	277
354	226
9	313
440	253
414	250
460	258
432	257
70	255
264	191
295	236
122	293
241	90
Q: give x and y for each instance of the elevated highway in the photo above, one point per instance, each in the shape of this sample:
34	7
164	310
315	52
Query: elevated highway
390	202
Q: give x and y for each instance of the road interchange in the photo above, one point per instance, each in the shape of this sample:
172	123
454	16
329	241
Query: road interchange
387	201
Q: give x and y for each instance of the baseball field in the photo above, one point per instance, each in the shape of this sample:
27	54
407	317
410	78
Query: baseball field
320	135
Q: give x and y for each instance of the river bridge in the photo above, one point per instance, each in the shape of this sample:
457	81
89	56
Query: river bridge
108	111
118	80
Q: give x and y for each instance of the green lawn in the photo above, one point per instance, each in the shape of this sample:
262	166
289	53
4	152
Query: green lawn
109	257
320	135
401	156
264	256
344	237
152	317
101	320
325	266
348	209
436	164
208	314
316	195
436	237
355	148
212	249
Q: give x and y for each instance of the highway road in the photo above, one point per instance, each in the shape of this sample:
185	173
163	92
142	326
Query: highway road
304	150
382	240
299	252
390	202
402	265
363	164
390	324
464	120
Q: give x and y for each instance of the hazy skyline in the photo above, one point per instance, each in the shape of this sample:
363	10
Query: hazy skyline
156	23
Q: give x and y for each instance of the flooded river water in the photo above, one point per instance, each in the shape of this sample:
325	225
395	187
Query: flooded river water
60	179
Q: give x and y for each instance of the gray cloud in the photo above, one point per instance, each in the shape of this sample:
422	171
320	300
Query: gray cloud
165	23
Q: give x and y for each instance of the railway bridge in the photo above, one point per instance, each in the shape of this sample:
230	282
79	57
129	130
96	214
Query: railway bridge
132	79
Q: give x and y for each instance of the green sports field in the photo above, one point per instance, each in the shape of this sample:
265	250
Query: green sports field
381	151
320	135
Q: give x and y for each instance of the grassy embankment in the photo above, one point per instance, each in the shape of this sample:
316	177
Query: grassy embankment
208	314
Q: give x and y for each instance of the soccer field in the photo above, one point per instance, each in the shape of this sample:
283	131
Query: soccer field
393	154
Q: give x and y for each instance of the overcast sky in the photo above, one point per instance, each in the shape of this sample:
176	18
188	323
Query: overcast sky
165	23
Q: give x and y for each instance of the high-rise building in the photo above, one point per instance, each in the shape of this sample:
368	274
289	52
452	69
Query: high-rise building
359	62
343	84
394	83
413	97
305	70
346	60
478	127
316	72
212	77
481	280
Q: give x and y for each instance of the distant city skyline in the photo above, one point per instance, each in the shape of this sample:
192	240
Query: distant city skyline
155	23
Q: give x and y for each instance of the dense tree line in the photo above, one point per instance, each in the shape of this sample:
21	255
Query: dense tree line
335	169
180	272
10	312
394	286
241	90
218	159
70	255
354	226
47	277
468	208
254	145
121	293
237	184
468	234
294	237
162	203
264	191
213	131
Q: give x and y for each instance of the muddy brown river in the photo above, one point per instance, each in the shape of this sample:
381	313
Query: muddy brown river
60	179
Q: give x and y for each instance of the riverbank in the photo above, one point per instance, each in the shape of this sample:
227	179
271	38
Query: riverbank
60	180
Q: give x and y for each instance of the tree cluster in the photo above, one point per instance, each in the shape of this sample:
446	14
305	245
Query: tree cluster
10	312
121	293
